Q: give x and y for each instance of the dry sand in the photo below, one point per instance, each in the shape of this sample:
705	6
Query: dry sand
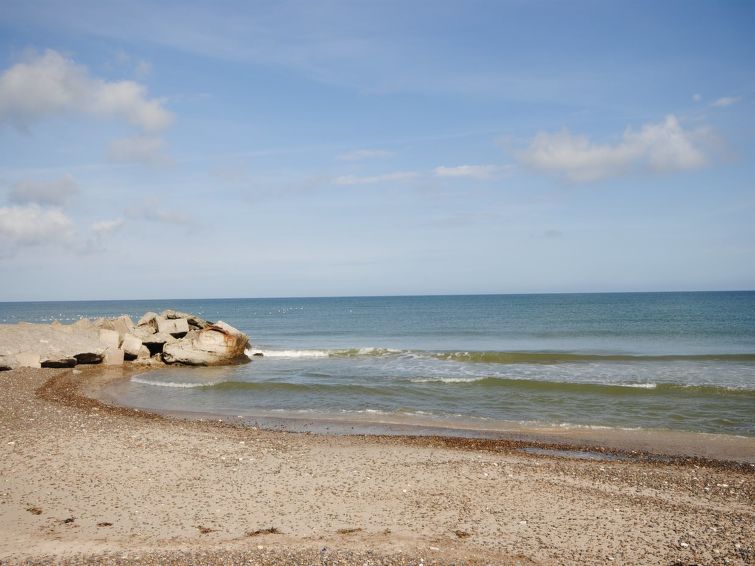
82	482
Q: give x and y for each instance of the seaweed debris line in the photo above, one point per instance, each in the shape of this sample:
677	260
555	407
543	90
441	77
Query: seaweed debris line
171	337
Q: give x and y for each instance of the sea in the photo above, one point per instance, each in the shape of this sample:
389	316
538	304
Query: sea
659	361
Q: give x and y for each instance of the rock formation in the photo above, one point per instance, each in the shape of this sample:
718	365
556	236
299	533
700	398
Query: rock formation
216	344
169	337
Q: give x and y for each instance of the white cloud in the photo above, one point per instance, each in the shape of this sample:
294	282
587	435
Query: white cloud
141	149
726	101
388	177
48	84
151	210
32	225
661	147
477	172
104	227
359	154
697	97
55	192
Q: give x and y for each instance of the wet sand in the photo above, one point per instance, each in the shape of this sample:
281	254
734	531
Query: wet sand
84	482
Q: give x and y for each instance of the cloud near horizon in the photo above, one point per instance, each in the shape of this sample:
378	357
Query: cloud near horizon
662	147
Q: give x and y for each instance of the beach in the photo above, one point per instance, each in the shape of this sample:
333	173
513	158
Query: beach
86	482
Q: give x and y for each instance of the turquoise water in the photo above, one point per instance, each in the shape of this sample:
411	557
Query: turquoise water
683	361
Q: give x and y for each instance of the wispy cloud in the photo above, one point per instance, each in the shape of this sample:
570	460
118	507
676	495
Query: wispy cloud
661	147
53	192
726	101
398	176
477	172
360	154
50	84
152	210
149	150
104	227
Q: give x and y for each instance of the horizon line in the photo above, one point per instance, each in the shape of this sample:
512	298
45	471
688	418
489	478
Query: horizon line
294	297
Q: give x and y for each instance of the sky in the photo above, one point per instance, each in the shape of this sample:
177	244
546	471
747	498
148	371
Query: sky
328	148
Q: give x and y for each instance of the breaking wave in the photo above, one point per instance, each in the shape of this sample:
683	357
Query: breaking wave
499	357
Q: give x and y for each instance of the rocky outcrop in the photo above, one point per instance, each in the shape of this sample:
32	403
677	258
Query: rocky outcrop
172	337
218	343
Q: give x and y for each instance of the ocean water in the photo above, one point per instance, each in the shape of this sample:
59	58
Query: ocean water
680	361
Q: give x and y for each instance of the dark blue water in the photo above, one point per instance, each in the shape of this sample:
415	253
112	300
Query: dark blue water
653	360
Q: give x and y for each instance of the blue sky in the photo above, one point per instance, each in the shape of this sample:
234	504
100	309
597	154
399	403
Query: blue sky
253	149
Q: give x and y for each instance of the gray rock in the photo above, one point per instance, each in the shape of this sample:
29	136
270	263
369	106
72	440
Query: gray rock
158	338
156	342
122	325
148	321
218	344
109	338
144	332
173	326
131	345
193	320
113	357
147	318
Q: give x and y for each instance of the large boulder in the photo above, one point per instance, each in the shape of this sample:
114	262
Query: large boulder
173	326
113	357
218	344
131	345
195	323
109	338
148	319
156	342
144	332
122	325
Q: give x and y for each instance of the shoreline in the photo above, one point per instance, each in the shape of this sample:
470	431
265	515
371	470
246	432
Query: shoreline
174	490
633	444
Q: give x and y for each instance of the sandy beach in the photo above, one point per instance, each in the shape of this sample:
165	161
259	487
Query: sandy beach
84	482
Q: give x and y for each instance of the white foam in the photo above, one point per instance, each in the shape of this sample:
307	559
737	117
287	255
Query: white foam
447	379
166	383
635	385
289	353
372	350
